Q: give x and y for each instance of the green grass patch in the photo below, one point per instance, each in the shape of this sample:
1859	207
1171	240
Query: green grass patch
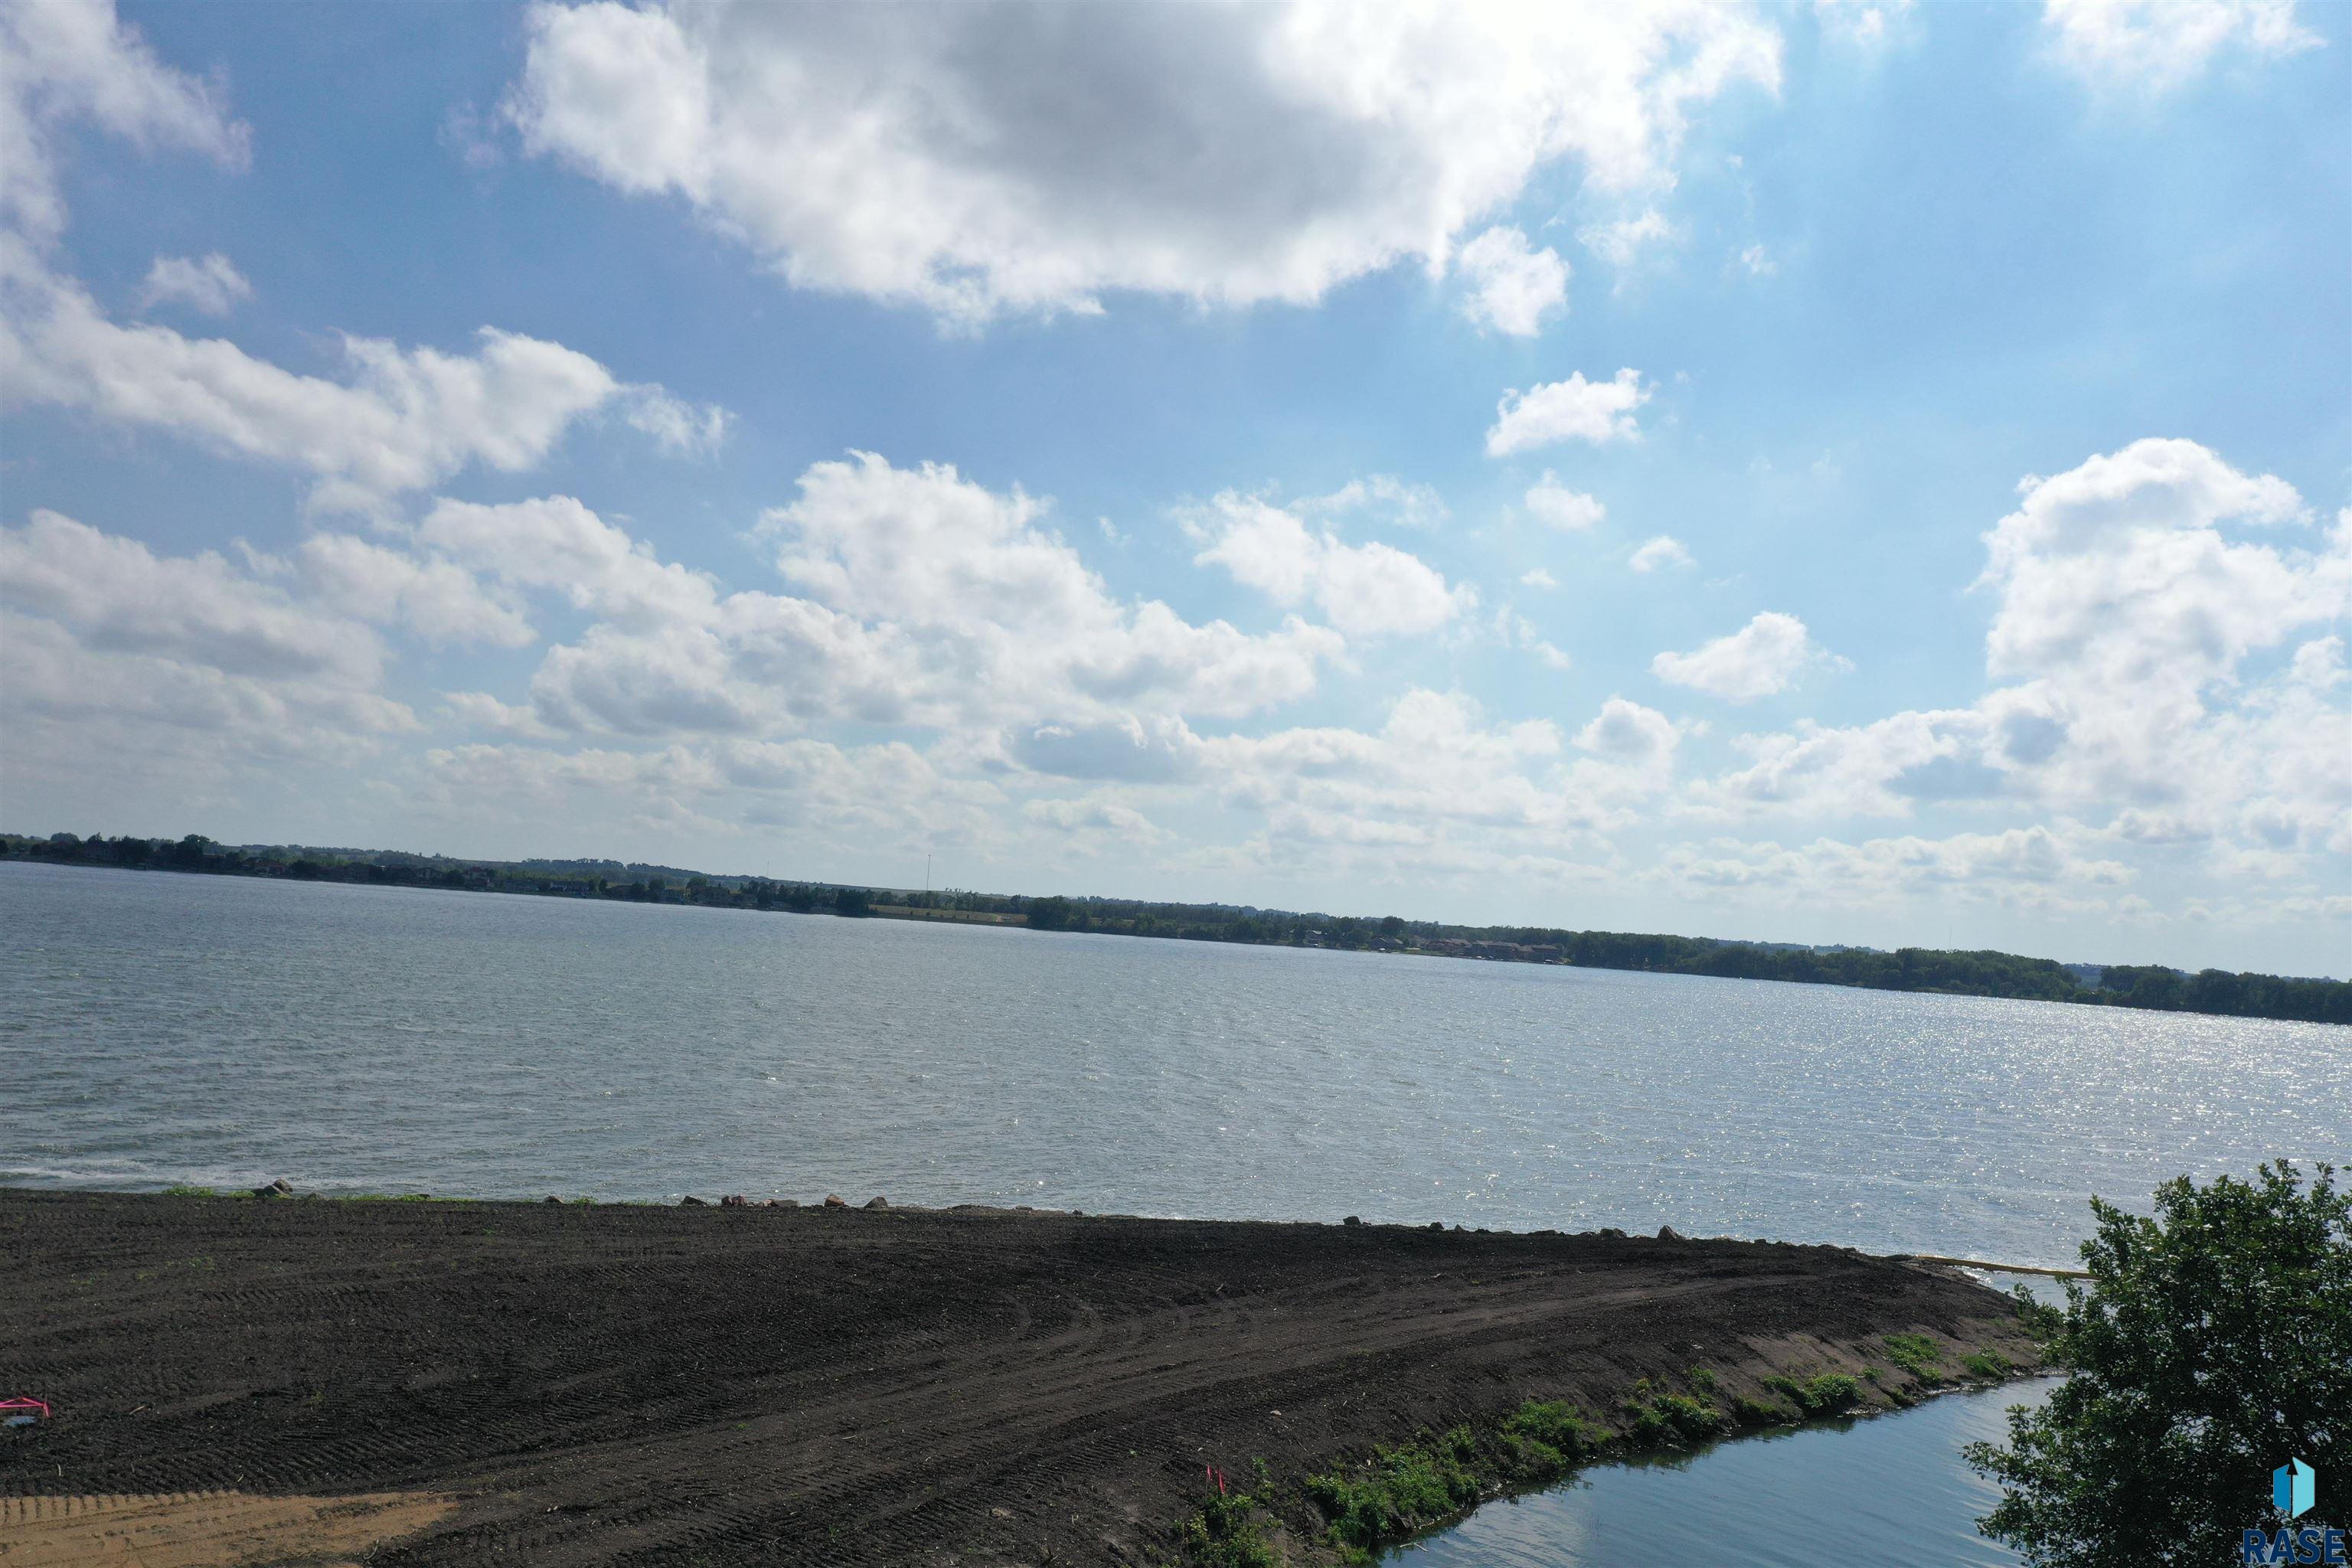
1916	1354
1404	1489
1409	1487
185	1191
1671	1420
1825	1395
1986	1365
1543	1440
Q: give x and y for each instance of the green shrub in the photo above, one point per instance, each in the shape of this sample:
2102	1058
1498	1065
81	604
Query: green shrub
1400	1490
1822	1395
1225	1534
1542	1441
184	1191
1669	1418
1984	1363
1916	1354
1703	1379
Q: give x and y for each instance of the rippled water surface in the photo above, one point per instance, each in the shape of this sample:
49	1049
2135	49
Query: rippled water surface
164	1028
1887	1489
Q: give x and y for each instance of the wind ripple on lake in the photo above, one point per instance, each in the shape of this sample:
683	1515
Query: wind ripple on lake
164	1028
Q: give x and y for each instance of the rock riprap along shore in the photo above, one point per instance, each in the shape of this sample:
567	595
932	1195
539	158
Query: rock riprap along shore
740	1383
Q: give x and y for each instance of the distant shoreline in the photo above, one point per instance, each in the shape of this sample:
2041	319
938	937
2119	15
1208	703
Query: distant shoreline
579	1384
2147	987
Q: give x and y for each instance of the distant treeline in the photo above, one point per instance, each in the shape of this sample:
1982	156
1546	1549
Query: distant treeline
1906	969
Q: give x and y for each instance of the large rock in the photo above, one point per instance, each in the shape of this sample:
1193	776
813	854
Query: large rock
692	1202
280	1188
1668	1232
835	1200
877	1202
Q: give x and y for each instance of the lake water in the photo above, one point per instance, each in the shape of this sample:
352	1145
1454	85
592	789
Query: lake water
164	1028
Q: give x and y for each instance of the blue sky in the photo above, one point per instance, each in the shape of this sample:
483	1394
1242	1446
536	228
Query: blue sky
1922	523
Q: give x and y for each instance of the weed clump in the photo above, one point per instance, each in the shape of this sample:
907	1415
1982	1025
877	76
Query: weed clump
1825	1395
1225	1534
1987	1364
1670	1419
1916	1354
1543	1440
1401	1489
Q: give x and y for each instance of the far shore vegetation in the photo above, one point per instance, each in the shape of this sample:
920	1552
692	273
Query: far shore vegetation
1968	973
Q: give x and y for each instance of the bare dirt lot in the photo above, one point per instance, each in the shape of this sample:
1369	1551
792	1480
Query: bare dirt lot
708	1385
201	1530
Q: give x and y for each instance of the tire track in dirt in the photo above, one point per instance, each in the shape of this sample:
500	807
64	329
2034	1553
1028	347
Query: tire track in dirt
666	1387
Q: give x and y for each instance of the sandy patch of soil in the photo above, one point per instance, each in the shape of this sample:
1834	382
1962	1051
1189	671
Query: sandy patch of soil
206	1530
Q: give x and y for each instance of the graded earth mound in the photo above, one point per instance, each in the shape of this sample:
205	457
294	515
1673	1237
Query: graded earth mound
717	1385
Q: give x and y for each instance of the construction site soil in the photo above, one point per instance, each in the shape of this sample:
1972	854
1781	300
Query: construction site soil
607	1384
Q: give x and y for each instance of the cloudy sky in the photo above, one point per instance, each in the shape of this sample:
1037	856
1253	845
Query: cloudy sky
1859	472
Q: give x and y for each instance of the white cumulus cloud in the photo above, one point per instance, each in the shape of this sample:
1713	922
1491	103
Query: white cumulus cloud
1512	288
1571	410
1659	553
210	285
2164	624
1761	658
975	160
79	62
398	419
1554	505
1364	590
2157	46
